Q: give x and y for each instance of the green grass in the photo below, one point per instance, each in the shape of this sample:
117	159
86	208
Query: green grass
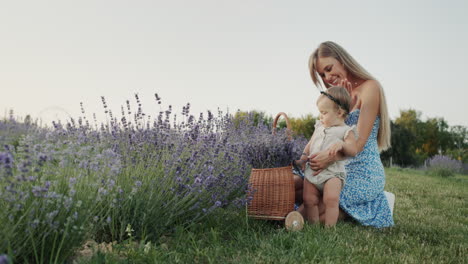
431	226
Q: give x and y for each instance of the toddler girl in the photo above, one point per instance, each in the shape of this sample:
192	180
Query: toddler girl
330	133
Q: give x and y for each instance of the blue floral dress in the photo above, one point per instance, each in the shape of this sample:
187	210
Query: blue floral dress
363	195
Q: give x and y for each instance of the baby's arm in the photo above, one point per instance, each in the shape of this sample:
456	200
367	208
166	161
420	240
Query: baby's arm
348	146
305	155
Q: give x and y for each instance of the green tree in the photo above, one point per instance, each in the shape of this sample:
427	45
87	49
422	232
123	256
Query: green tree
459	139
401	153
430	137
459	136
436	136
303	126
410	120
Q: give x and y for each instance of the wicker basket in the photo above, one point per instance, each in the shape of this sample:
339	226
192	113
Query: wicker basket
272	189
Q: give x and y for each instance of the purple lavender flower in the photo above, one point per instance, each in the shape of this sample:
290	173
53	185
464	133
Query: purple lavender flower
4	259
50	216
6	160
42	158
72	181
35	223
198	180
138	184
102	191
111	184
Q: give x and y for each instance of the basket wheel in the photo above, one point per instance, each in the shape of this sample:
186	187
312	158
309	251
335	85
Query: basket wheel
294	221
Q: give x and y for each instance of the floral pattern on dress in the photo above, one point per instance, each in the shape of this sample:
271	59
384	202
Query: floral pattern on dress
363	195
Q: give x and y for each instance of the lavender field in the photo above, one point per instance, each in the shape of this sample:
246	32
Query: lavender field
81	180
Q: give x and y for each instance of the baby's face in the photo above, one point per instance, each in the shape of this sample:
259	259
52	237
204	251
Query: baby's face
329	113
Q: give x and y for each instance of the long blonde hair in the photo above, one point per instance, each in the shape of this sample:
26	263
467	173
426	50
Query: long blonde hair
331	49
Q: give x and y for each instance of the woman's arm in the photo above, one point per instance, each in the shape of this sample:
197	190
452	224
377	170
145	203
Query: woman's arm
348	146
305	155
322	159
370	102
369	97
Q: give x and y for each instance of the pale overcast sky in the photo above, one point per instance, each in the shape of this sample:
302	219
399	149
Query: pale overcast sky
248	55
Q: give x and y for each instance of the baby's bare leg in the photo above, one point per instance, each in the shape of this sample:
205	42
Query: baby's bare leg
311	201
341	215
331	200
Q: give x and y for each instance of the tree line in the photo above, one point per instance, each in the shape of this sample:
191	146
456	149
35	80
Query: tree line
413	140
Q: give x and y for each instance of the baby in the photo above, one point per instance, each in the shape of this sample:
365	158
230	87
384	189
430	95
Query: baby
333	134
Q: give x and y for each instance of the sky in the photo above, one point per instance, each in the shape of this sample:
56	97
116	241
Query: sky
247	55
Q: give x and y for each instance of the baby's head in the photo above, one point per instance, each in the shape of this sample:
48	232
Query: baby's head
334	104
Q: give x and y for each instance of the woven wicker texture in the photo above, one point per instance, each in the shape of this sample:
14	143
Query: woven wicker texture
272	189
273	193
288	124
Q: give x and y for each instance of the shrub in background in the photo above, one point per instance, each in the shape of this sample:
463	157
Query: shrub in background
465	168
443	166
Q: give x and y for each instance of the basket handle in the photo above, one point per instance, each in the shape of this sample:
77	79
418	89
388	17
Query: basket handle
288	125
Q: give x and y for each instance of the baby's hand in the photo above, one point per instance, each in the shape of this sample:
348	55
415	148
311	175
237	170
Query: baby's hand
300	163
335	148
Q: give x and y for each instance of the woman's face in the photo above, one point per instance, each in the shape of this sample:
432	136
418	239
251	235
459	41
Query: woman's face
331	70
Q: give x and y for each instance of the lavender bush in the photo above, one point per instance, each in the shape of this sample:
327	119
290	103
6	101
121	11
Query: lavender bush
465	168
12	130
444	166
262	149
46	196
81	180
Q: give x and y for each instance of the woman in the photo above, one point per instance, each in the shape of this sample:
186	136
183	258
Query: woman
362	197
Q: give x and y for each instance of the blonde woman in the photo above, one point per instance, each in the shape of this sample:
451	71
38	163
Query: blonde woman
362	197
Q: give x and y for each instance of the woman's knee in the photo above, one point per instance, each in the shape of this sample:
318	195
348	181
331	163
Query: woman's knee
298	182
342	215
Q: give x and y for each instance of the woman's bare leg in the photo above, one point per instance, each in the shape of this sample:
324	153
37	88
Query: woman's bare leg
298	186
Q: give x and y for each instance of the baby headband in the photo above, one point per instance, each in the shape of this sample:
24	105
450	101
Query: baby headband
334	100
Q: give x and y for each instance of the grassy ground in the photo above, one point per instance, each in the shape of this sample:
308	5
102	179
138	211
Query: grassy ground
431	226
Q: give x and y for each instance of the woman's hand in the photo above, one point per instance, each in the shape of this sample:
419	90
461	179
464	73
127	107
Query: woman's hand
319	161
347	85
335	148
